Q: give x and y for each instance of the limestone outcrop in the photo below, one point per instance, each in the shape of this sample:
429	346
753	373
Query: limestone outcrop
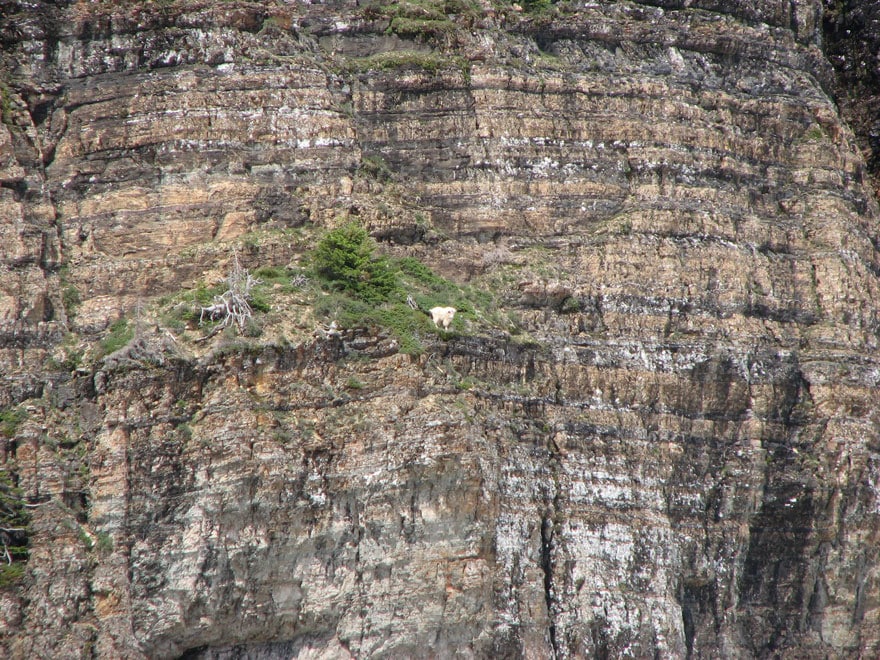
652	430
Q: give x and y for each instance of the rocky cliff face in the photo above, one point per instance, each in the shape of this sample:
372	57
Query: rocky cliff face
652	432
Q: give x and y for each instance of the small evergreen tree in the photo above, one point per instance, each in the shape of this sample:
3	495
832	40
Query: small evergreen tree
344	258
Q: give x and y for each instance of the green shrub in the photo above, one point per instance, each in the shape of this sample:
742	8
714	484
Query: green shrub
15	520
252	328
409	27
425	18
85	538
344	259
11	574
421	273
272	274
401	59
258	301
10	420
376	167
815	133
104	543
184	308
536	6
184	431
402	322
71	299
72	353
5	104
405	324
120	334
570	305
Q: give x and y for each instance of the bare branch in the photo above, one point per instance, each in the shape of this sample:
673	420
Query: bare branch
29	505
232	306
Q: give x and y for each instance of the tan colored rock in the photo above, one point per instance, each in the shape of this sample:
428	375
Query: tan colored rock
676	455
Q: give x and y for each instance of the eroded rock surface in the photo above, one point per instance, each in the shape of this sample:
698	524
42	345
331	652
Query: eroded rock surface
676	455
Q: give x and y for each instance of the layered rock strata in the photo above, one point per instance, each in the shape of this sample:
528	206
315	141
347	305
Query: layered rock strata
675	455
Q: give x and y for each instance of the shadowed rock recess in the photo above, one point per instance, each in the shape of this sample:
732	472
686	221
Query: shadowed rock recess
653	430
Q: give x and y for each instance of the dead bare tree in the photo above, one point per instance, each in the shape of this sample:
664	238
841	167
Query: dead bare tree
4	539
233	305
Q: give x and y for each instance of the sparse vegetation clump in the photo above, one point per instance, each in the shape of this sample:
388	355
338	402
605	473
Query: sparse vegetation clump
14	522
10	420
5	104
120	334
363	289
339	279
243	303
537	6
401	59
376	168
71	299
438	21
427	19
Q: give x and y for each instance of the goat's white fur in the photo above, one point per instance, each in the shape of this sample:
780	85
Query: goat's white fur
442	316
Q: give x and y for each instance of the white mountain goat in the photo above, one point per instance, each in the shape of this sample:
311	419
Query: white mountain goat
441	316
